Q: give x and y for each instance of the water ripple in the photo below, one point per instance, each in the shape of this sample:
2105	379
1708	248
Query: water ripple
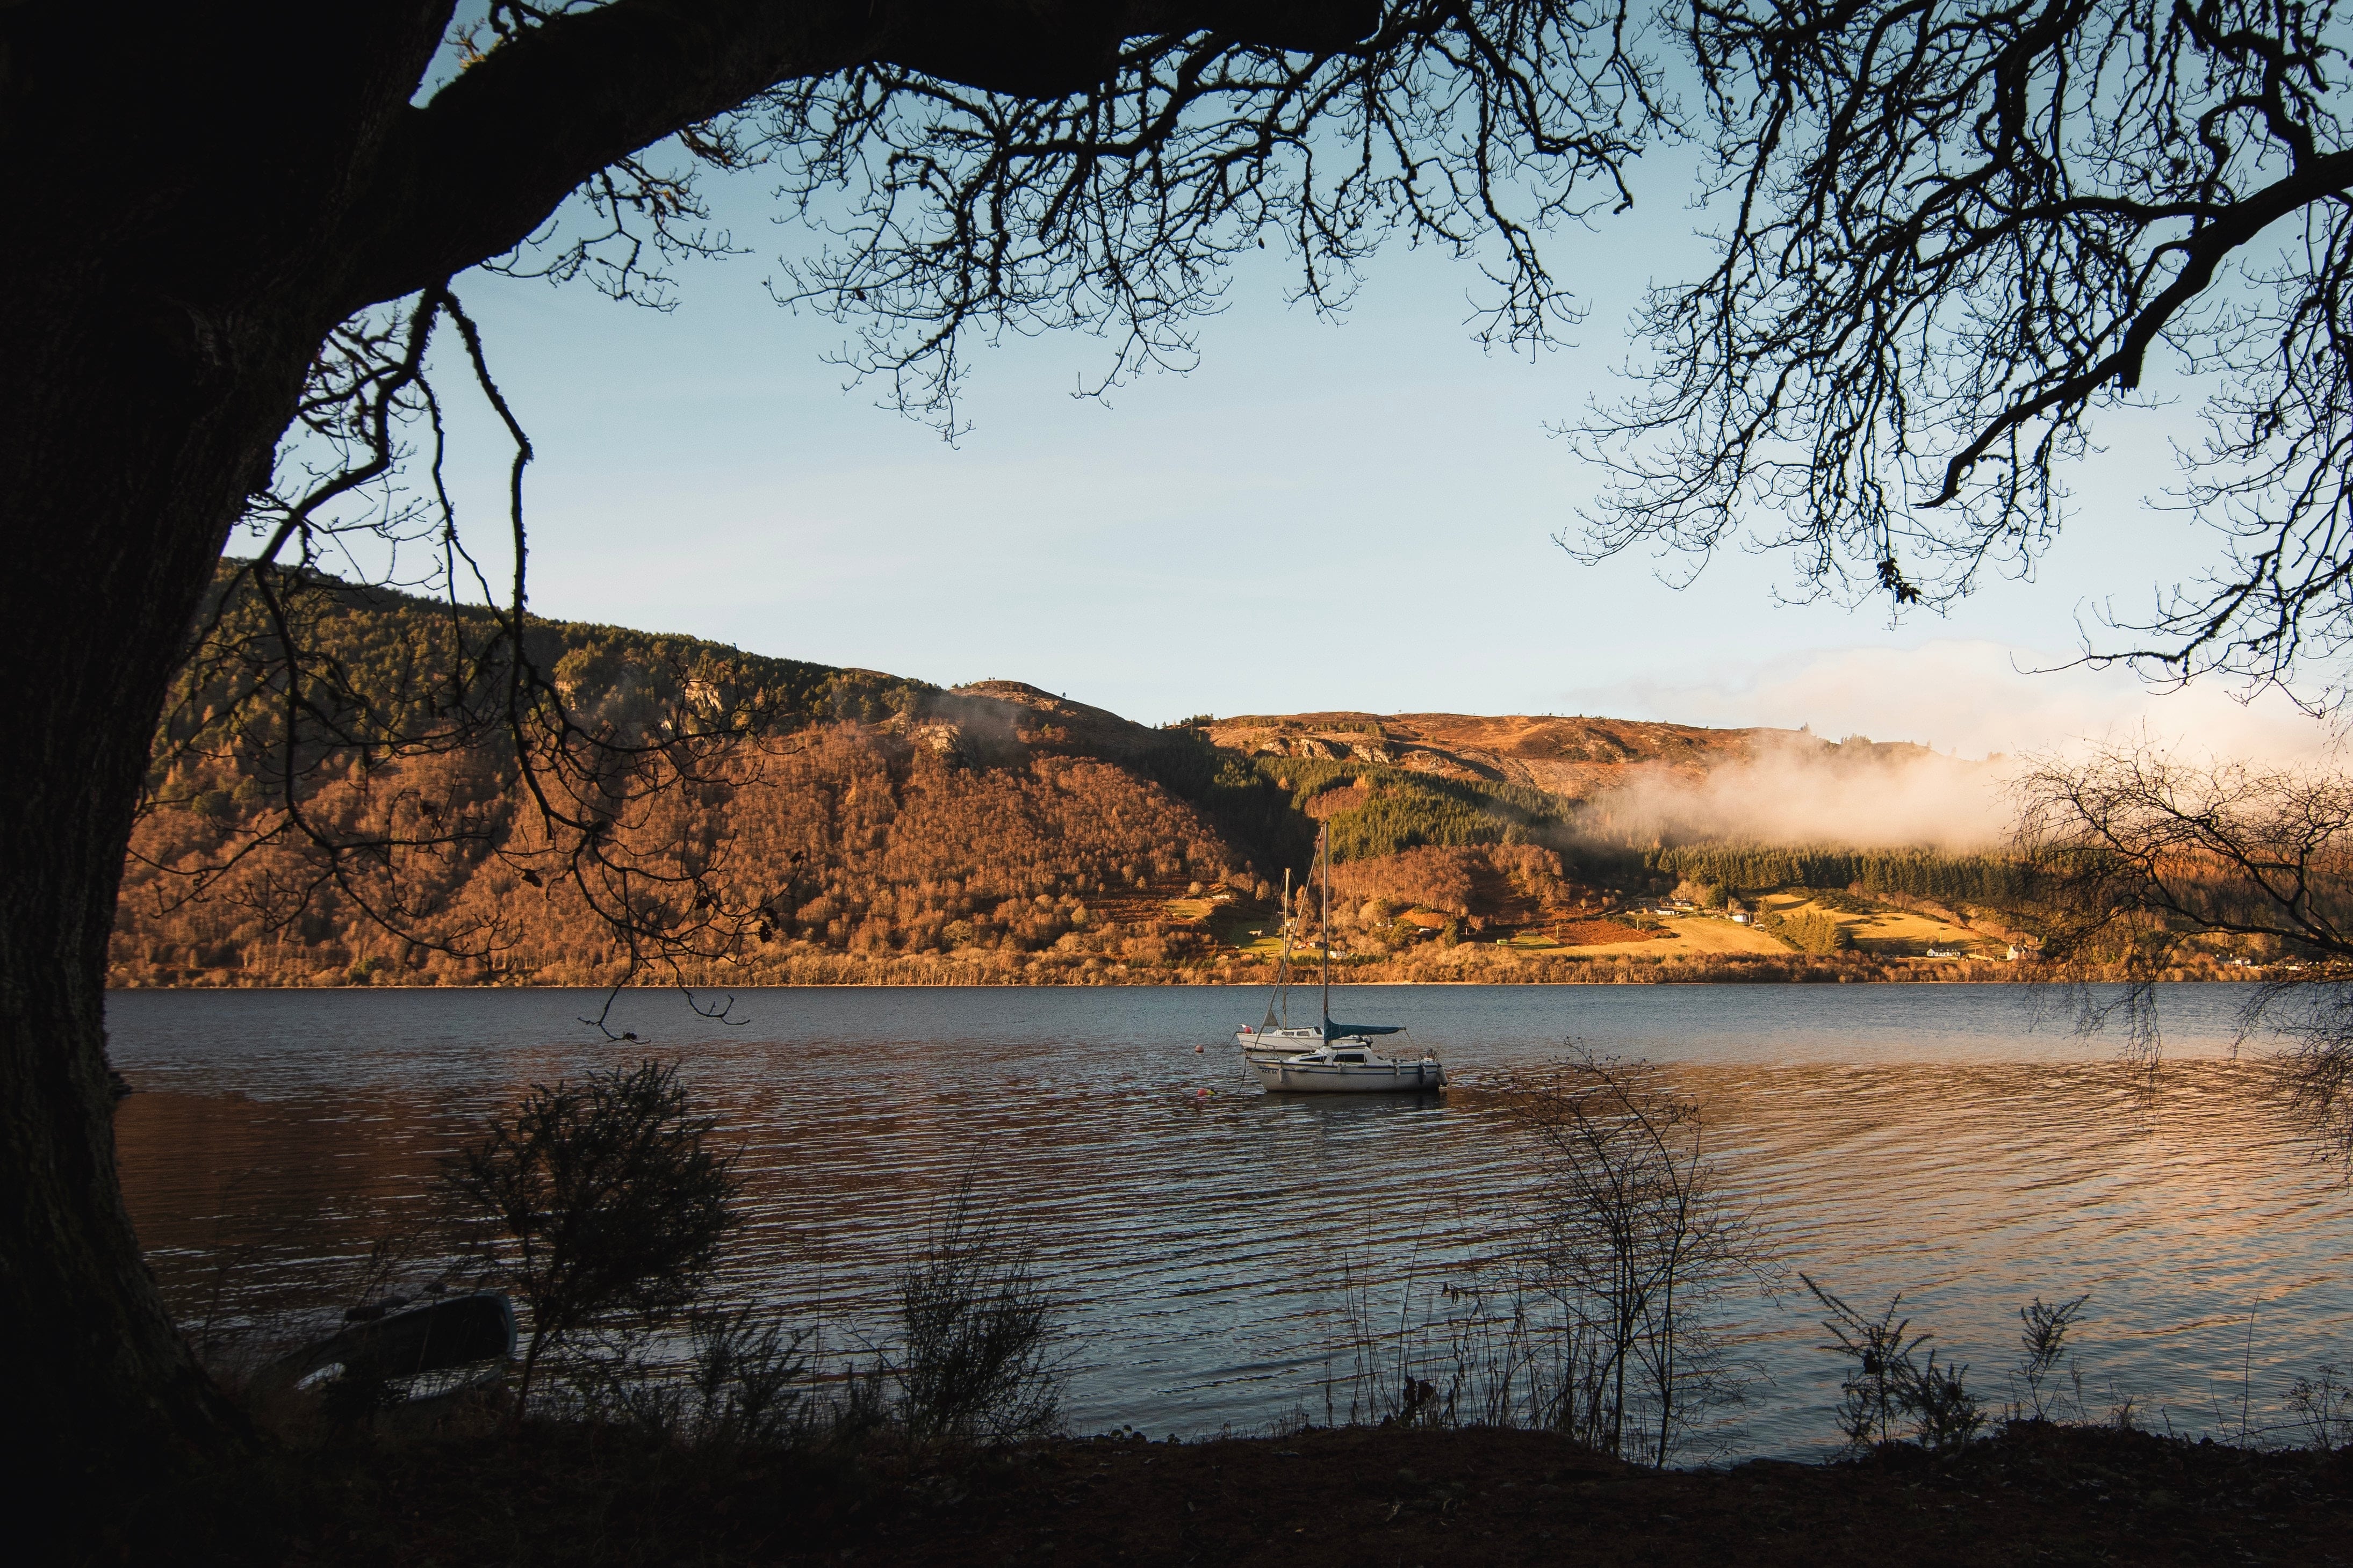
1931	1139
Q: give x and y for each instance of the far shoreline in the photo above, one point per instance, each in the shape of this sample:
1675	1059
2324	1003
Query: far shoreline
1176	983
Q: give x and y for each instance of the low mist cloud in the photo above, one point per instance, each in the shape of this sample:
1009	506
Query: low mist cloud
1979	705
1805	792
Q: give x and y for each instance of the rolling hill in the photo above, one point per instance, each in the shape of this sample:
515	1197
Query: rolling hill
890	829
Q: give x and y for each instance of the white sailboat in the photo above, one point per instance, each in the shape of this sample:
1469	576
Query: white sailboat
1334	1058
1271	1040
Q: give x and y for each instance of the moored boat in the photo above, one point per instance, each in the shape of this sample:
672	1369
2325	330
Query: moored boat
427	1350
1331	1056
1350	1068
1272	1045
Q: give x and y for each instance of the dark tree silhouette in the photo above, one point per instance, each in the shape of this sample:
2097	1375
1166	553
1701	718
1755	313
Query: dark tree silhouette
612	1197
246	219
2137	848
1951	235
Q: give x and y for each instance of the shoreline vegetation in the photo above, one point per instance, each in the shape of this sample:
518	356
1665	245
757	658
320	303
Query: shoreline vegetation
1473	967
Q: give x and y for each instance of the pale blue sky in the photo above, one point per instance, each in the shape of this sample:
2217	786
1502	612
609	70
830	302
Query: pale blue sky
1351	515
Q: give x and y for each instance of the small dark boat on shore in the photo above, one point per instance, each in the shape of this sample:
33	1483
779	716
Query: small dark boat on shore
464	1338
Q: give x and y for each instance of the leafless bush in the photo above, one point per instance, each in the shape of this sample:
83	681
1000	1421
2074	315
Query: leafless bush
1486	1353
2041	1350
750	1375
614	1198
1889	1382
745	1380
978	1364
2324	1405
1638	1247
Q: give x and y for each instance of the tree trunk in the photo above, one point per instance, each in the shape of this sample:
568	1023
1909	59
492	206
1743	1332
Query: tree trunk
184	174
203	193
214	190
127	444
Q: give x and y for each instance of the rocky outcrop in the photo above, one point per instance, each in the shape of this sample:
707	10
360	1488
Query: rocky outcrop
1575	757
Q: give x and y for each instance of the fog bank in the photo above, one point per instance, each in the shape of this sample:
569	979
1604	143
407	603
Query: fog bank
1804	791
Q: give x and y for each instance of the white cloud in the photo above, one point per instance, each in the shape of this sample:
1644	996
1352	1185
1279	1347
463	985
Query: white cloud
1975	699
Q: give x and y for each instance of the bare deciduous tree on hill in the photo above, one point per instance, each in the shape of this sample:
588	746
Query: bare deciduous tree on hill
2141	855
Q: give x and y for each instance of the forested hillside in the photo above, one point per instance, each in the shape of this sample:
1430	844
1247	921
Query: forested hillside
863	814
880	827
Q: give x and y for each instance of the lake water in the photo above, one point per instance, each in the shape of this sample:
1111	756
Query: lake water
1954	1142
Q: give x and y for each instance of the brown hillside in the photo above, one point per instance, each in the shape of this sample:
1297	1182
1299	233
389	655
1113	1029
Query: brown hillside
1576	758
989	823
1572	757
861	826
1007	720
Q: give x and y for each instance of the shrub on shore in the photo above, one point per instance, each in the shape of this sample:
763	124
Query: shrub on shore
613	1197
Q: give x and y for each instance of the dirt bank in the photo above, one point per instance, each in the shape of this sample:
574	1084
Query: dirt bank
1352	1497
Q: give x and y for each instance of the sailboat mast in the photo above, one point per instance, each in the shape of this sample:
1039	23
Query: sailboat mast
1323	842
1283	970
1281	991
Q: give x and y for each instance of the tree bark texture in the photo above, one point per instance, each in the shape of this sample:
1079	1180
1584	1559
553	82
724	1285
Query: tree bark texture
201	193
158	307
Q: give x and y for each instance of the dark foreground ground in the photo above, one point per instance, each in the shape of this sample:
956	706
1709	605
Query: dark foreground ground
2033	1495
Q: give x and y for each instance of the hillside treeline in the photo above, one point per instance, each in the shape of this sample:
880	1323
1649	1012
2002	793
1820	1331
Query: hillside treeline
1394	809
847	841
372	669
1919	874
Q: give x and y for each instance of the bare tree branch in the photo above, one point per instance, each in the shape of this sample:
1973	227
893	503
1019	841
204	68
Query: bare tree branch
1954	233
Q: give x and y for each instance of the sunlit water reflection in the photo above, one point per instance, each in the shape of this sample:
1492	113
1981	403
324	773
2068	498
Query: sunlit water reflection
1933	1140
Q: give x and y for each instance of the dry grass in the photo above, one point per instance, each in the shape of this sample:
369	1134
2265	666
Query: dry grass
1878	929
1702	933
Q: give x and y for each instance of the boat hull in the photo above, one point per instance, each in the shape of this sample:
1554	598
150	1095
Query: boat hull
1274	1045
1350	1078
462	1338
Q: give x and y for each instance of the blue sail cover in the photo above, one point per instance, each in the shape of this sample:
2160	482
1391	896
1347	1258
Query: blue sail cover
1333	1031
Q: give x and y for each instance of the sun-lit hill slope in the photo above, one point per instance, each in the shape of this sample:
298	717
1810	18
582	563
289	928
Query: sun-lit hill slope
887	828
1572	757
1549	832
876	817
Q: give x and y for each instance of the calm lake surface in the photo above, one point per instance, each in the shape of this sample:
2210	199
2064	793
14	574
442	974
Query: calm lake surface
1954	1142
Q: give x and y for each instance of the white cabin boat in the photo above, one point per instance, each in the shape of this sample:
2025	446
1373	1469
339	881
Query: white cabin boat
1350	1068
